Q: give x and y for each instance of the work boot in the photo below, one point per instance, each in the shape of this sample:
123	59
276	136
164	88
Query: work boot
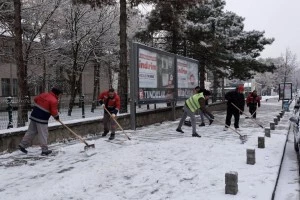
105	133
23	149
211	121
237	129
112	136
196	135
179	130
46	152
202	124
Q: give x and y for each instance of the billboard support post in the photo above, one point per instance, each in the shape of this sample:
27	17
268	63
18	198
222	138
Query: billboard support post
133	90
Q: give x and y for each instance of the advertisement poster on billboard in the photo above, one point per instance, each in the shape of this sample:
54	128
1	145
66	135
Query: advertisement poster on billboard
187	77
286	89
147	69
156	76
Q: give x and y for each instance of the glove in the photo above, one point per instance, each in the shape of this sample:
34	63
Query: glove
100	102
115	111
113	116
241	113
103	106
56	117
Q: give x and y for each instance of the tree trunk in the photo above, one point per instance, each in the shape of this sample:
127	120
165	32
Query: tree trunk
73	90
79	88
21	68
96	86
123	79
44	81
174	41
202	72
215	87
44	75
223	90
110	76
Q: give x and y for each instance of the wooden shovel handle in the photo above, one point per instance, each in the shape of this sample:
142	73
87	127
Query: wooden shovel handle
117	123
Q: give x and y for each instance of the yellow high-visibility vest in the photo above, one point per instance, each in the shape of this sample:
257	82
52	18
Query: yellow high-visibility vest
193	101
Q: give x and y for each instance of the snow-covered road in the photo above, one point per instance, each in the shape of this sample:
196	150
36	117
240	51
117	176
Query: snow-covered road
159	163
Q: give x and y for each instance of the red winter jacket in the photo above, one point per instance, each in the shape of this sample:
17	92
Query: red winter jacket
113	105
45	105
253	100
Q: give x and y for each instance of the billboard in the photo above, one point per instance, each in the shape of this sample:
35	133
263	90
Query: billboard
155	76
285	91
159	76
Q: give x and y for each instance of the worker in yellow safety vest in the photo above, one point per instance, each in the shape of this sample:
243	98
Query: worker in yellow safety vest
192	104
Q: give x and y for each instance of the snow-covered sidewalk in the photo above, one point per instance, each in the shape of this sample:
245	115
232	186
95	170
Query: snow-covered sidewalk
159	163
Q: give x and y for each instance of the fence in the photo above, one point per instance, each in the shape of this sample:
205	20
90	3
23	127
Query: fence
84	107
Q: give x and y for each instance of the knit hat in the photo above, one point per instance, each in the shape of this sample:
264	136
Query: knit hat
56	90
241	88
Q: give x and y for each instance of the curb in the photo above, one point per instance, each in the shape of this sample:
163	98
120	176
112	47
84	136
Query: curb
279	170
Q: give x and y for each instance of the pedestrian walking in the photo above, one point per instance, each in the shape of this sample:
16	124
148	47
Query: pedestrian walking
253	101
111	101
234	98
46	104
192	104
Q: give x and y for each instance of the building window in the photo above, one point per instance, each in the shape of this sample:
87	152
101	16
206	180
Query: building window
5	86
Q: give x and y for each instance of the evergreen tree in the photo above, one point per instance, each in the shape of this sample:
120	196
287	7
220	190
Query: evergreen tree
219	42
165	29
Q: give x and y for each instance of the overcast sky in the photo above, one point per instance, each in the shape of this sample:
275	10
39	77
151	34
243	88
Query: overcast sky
278	18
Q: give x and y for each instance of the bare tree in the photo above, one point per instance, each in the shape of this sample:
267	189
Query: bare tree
21	69
81	37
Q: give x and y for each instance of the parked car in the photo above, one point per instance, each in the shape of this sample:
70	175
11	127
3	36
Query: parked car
295	125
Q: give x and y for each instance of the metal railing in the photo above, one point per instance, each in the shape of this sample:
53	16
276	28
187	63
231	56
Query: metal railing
82	108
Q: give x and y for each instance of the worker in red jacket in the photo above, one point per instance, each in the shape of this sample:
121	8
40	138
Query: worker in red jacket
45	105
253	100
111	101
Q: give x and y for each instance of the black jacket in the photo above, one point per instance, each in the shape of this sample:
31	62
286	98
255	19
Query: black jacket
236	98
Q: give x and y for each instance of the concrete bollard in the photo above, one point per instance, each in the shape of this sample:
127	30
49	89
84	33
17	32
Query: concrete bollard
267	132
261	142
231	183
278	118
272	126
250	156
275	121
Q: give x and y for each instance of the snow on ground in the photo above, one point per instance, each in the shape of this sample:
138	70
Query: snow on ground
158	163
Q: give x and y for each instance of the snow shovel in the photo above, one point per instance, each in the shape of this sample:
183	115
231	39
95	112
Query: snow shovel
248	115
87	146
243	138
117	124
